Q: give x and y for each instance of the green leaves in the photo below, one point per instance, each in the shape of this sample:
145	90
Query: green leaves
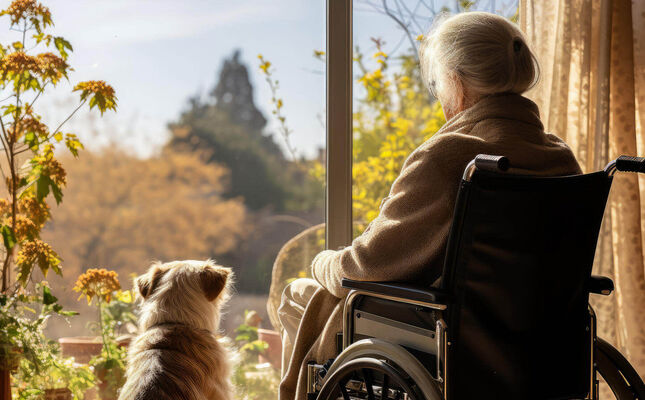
8	237
47	175
44	184
51	303
63	46
31	140
48	297
73	144
466	5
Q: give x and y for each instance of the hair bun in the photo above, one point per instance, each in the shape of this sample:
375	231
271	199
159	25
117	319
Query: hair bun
517	45
486	52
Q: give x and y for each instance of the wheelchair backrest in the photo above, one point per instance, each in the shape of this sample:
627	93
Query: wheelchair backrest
518	262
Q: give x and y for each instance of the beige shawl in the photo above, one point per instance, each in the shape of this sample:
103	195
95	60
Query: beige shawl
407	241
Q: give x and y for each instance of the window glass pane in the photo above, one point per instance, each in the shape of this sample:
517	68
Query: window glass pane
393	111
216	149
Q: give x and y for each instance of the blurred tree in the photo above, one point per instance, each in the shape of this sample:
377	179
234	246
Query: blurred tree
227	128
234	94
124	212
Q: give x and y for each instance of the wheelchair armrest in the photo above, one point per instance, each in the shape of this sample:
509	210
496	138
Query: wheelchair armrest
396	290
601	285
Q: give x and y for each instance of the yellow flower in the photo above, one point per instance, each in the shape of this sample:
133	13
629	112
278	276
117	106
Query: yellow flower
19	62
96	87
39	253
379	54
125	296
37	211
52	67
52	168
264	66
420	38
100	93
23	9
97	283
28	124
25	228
5	206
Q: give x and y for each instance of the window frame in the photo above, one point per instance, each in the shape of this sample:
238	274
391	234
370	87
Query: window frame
338	189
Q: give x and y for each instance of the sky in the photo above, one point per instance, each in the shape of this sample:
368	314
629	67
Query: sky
158	53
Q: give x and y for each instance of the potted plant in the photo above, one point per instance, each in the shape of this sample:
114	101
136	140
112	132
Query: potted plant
22	319
272	353
61	379
30	63
121	312
114	309
253	381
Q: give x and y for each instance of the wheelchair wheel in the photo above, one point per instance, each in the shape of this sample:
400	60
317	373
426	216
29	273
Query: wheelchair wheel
396	355
620	376
370	379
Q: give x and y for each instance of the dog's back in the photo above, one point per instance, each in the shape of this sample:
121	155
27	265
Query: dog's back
176	362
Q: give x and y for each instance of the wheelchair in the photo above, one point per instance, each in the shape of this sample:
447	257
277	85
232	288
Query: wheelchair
510	318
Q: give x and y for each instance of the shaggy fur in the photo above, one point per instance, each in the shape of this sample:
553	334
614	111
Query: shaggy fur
177	355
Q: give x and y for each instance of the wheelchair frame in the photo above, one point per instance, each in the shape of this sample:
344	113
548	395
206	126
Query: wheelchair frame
437	342
440	334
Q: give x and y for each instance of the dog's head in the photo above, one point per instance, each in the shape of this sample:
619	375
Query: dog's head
188	292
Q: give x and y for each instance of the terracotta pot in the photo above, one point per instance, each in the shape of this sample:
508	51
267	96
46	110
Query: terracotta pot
273	354
5	384
9	361
82	348
9	356
58	394
125	340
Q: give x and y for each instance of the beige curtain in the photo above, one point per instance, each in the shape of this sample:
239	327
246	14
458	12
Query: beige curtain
592	94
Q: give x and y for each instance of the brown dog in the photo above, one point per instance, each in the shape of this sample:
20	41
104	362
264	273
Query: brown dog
177	354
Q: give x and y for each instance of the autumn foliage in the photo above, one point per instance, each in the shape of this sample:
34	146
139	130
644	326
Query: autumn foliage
161	208
30	170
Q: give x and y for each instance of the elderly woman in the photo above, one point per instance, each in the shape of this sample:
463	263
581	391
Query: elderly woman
477	65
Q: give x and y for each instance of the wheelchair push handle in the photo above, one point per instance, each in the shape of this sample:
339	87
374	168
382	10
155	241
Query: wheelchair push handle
630	164
486	162
491	163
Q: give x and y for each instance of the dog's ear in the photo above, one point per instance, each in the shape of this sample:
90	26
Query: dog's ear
213	280
147	282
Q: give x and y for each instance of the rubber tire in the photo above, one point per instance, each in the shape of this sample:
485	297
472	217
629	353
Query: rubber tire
619	374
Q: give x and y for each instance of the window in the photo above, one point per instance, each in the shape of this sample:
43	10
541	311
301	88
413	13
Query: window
213	153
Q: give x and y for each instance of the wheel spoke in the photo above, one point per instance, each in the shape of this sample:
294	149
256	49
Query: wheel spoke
385	387
343	390
367	377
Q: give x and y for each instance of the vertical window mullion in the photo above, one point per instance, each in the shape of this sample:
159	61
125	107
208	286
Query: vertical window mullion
338	213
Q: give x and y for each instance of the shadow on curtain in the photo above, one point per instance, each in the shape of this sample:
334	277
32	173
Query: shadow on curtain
592	94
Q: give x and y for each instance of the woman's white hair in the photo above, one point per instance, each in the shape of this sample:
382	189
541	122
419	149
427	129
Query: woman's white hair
478	53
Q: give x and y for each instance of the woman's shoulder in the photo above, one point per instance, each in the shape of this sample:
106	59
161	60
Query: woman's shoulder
447	146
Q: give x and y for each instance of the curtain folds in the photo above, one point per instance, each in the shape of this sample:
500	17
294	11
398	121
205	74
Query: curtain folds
592	94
